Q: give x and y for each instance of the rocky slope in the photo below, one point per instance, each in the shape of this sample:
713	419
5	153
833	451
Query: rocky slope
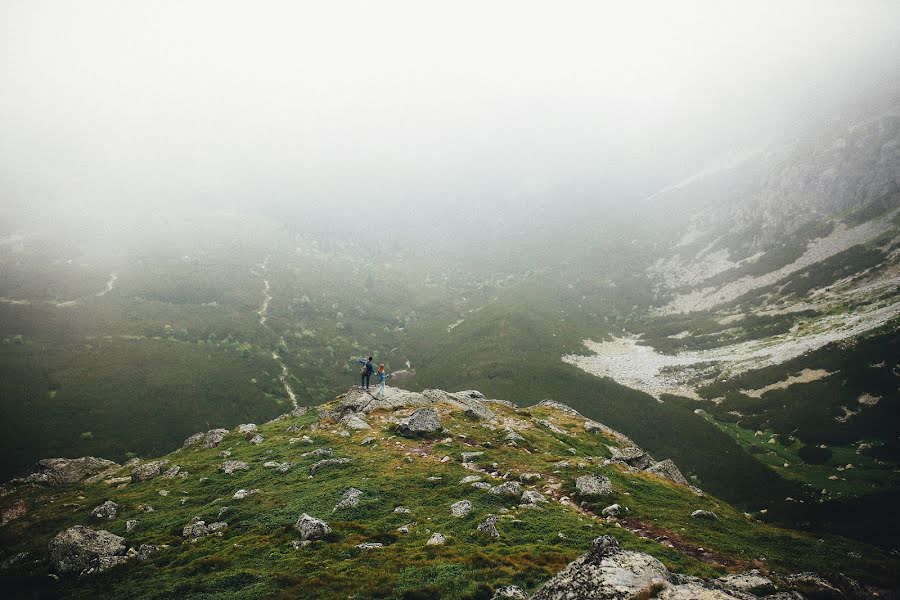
415	495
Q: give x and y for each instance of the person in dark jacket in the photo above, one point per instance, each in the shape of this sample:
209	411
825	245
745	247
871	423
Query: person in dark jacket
366	372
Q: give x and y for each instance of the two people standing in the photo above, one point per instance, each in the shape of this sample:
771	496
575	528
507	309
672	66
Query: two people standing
368	370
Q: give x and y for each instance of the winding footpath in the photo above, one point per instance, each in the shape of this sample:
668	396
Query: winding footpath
263	313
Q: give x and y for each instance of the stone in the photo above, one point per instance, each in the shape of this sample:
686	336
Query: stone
370	545
593	427
550	426
668	469
147	470
513	489
172	472
469	479
247	428
460	509
195	529
318	452
489	526
106	511
75	549
130	525
16	510
230	466
482	485
328	462
532	497
509	592
355	422
257	439
63	471
349	500
423	421
593	485
530	477
210	439
631	456
284	467
311	528
271	464
750	582
241	494
613	510
194	439
436	539
513	438
705	514
469	456
368	440
145	550
401	510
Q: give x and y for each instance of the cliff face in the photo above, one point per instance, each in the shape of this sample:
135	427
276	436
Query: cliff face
430	494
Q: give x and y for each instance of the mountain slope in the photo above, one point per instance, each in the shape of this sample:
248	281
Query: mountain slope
387	476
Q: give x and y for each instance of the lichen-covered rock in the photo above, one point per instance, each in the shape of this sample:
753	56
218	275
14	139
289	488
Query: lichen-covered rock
460	509
532	497
350	499
257	439
668	469
489	527
318	452
230	466
75	549
62	471
328	462
195	529
130	525
705	514
512	489
436	539
246	428
106	511
593	485
311	528
423	421
631	456
148	470
470	456
469	479
209	439
241	494
509	592
354	422
613	510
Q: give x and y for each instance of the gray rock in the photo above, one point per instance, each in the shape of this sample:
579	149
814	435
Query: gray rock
62	471
257	439
668	469
631	456
284	467
368	440
230	466
489	526
613	510
247	428
513	437
292	429
194	439
76	548
705	514
130	524
241	494
460	509
593	427
469	479
532	497
513	489
530	477
482	485
210	439
423	421
311	528
470	456
104	563
145	550
328	462
750	582
355	422
172	472
436	539
318	452
106	511
370	545
401	510
195	529
551	426
349	499
593	485
509	592
147	470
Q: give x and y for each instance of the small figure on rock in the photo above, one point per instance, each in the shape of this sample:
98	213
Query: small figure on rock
366	372
382	376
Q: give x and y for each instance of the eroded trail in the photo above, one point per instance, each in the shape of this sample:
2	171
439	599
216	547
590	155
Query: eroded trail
263	313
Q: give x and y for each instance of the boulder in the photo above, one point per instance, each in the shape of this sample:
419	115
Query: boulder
311	528
328	462
355	422
130	524
230	466
750	582
513	489
195	529
593	485
62	471
509	592
350	499
593	427
213	438
470	456
489	527
318	452
481	485
469	479
241	494
705	514
460	509
148	470
423	421
75	549
631	456
532	497
436	539
668	469
613	510
257	439
106	511
246	428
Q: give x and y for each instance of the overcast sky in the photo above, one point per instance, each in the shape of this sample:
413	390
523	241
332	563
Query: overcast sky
133	106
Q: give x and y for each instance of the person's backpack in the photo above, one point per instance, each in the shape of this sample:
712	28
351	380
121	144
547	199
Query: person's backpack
364	371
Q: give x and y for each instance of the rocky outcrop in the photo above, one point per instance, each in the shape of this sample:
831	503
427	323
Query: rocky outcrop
198	528
147	470
460	509
350	499
668	469
209	439
511	489
632	456
489	527
608	572
62	471
328	462
436	539
230	466
79	548
424	421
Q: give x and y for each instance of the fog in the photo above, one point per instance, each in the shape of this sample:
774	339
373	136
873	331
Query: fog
340	113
